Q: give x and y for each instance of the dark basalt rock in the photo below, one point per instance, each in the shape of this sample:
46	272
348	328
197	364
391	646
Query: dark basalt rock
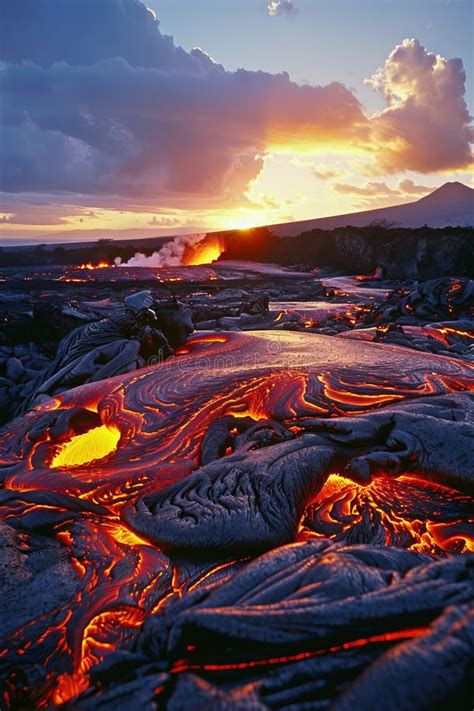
434	300
430	437
119	343
413	676
422	253
299	624
254	500
241	504
14	369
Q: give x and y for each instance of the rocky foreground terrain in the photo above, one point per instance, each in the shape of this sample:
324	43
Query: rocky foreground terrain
236	486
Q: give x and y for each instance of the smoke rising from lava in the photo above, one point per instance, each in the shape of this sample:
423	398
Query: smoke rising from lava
183	250
170	255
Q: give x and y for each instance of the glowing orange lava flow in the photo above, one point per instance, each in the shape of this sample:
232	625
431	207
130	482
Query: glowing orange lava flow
87	447
71	279
90	266
386	637
204	252
408	512
96	641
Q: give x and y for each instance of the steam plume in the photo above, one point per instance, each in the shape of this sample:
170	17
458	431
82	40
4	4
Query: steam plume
170	255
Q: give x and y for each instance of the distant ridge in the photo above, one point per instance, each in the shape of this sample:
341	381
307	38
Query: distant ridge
452	204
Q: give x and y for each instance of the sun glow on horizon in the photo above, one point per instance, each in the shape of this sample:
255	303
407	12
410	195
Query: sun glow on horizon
290	187
242	222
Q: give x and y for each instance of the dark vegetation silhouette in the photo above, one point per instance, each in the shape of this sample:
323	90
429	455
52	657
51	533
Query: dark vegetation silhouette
423	252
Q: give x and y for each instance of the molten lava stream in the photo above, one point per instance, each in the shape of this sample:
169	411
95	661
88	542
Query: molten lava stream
123	577
408	512
90	267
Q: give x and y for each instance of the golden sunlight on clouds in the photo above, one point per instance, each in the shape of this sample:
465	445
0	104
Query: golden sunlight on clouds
301	151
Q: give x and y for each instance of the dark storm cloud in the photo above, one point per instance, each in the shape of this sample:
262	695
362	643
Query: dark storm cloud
85	32
97	100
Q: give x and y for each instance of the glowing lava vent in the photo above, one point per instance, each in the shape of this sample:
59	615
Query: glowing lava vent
205	252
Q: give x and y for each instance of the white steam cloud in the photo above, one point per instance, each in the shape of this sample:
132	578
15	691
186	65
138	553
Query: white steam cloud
170	255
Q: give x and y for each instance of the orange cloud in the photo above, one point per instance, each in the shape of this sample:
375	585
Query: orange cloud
411	188
367	190
326	174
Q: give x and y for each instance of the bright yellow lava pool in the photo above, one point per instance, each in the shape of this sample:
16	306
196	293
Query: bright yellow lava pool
83	448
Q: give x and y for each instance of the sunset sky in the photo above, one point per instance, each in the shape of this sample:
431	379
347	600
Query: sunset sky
119	119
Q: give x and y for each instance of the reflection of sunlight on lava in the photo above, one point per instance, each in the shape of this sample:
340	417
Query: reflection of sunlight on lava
83	448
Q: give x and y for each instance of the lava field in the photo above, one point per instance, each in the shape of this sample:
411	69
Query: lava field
236	487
